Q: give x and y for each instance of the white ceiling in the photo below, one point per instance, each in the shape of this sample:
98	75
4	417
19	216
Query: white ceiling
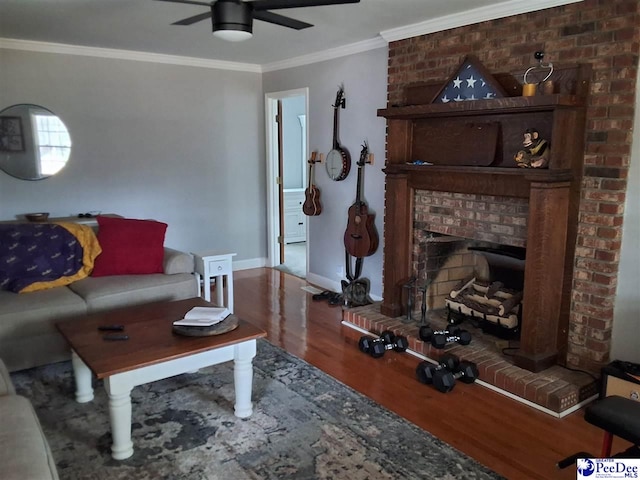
145	26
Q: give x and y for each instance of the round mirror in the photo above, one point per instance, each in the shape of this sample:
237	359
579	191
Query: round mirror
34	143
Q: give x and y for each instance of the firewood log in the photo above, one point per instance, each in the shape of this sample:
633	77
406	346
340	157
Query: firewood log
506	306
461	287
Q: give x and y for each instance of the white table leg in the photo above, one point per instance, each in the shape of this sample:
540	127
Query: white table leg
206	283
220	291
200	285
230	292
120	416
243	377
82	374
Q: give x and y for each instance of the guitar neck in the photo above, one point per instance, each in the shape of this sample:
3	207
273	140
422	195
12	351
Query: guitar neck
359	186
336	145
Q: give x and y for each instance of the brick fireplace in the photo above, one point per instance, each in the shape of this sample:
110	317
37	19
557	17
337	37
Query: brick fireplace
606	37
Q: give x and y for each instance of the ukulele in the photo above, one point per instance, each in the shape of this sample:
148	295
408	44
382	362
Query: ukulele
311	205
338	159
361	237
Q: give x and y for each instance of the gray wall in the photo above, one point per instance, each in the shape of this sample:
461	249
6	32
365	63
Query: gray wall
626	323
180	144
364	77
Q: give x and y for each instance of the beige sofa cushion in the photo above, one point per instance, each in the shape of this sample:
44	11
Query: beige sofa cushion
28	335
24	314
118	291
176	261
24	452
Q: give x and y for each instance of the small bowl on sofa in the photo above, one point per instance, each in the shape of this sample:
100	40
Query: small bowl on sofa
37	217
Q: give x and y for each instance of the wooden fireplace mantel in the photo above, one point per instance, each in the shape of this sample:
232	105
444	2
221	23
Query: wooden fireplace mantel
552	193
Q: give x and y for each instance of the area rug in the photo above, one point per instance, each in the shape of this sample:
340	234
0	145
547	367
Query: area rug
305	425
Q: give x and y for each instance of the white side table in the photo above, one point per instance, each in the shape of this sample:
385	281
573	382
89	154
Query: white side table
212	264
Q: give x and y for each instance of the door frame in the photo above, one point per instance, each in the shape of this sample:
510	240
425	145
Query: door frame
273	212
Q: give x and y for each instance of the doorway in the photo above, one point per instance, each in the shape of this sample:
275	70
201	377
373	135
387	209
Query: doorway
287	153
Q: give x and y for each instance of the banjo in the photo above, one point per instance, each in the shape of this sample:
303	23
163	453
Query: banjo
338	160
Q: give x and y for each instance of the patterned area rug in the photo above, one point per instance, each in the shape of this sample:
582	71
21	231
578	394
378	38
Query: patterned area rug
305	425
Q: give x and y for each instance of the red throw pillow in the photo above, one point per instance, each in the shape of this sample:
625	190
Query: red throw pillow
129	246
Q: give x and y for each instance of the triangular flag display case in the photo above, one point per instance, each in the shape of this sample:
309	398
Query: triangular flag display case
472	81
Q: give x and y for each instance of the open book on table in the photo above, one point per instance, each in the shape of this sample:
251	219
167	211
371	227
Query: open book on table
203	317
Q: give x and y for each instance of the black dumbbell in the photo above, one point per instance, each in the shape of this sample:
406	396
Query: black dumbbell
425	371
426	333
440	340
376	347
444	381
366	341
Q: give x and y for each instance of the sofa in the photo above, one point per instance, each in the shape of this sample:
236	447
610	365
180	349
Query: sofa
28	335
24	451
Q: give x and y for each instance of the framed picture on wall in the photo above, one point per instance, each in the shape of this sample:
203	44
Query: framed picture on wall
11	138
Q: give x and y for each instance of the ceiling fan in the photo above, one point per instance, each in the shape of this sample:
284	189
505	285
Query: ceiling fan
233	19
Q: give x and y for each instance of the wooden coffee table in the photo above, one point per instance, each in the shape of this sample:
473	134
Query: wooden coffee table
151	353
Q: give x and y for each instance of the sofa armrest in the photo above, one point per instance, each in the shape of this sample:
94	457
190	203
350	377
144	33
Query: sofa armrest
176	261
6	386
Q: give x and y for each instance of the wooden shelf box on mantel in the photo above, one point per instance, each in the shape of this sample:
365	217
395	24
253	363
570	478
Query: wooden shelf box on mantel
552	193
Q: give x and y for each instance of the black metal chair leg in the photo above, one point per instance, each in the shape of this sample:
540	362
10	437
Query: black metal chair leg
570	460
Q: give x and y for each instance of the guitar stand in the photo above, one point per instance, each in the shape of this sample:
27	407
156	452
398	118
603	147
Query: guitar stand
355	292
359	260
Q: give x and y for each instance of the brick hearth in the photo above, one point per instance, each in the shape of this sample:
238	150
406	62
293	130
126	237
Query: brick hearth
556	389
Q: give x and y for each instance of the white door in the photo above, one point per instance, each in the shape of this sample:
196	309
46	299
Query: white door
276	182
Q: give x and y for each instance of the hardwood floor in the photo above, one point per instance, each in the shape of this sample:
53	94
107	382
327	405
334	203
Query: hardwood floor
514	440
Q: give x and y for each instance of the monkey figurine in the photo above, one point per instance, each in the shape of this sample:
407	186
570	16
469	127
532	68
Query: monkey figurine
535	153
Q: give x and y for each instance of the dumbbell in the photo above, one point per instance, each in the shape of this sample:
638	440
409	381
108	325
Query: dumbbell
444	380
376	347
426	333
440	340
425	371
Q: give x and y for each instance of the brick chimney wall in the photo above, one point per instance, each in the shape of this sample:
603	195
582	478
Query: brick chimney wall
605	33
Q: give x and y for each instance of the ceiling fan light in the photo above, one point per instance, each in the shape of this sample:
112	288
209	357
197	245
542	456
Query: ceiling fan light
232	20
232	35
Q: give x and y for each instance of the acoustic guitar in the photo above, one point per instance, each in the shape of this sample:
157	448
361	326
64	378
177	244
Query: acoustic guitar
311	206
338	159
361	237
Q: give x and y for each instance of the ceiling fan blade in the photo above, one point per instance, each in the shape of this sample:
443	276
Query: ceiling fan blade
260	5
281	20
191	2
194	19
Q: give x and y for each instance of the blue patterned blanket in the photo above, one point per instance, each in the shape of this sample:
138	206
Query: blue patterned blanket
39	256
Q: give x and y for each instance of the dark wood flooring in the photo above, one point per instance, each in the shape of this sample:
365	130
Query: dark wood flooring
513	439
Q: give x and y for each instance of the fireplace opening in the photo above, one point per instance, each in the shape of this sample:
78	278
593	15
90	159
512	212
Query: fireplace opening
470	280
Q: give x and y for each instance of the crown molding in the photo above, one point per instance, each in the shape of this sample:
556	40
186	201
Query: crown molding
65	49
469	17
329	54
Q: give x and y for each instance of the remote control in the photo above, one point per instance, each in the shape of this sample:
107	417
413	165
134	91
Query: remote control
115	336
114	328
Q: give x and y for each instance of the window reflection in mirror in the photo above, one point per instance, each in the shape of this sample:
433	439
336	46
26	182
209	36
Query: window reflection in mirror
34	142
